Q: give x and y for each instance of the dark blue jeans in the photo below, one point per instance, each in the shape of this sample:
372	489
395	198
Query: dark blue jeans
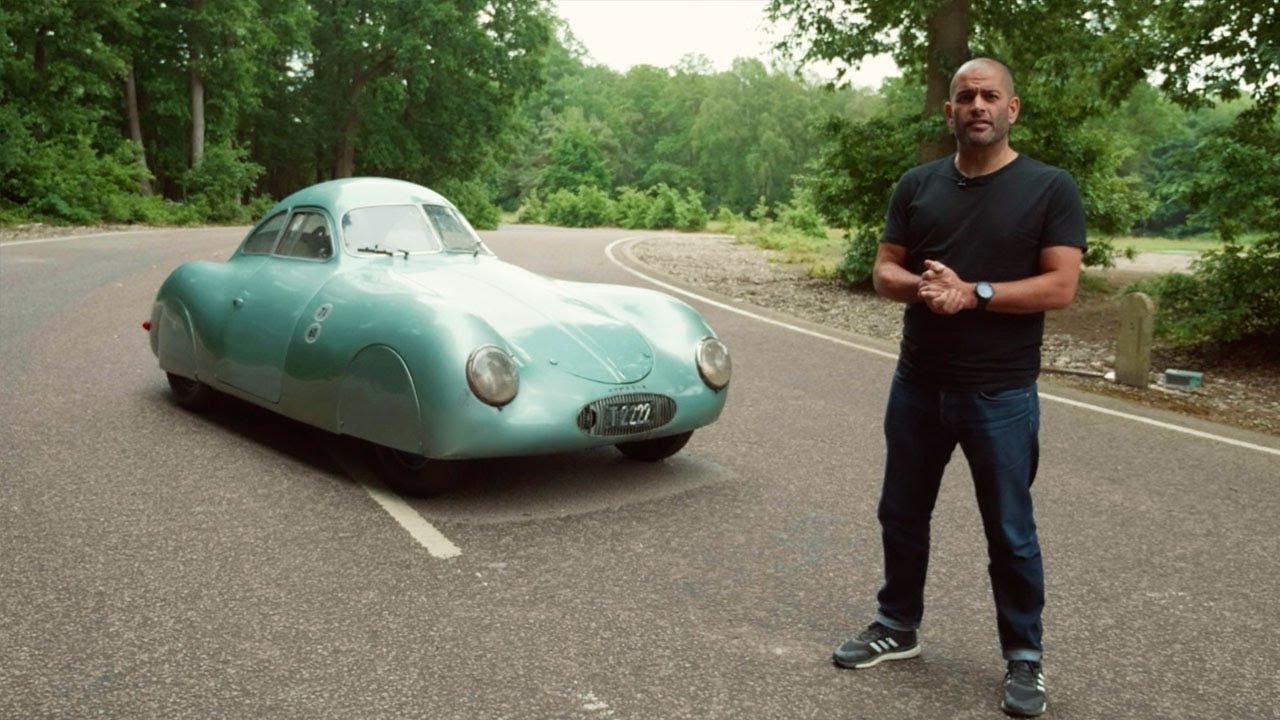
999	435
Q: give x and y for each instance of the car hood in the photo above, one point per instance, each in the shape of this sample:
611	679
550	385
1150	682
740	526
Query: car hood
542	319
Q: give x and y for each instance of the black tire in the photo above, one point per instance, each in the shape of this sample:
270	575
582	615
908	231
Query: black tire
410	474
655	449
190	394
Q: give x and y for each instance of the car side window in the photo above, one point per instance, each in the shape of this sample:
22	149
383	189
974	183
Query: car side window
306	237
451	227
263	238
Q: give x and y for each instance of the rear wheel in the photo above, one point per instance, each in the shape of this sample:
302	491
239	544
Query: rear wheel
190	394
655	449
412	474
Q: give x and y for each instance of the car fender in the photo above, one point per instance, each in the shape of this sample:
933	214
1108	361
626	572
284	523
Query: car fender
381	362
377	400
200	292
172	339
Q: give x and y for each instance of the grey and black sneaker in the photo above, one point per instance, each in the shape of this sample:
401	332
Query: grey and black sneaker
1024	689
875	644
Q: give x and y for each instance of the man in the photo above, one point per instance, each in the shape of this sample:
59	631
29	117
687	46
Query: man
978	245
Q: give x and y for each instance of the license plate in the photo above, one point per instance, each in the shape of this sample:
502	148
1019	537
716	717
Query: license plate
628	415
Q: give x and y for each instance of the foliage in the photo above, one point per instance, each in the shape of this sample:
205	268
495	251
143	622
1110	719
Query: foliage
588	207
473	199
1232	176
655	208
424	90
221	181
801	215
574	158
1233	293
856	266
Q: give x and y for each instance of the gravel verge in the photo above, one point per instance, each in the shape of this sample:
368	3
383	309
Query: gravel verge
1245	397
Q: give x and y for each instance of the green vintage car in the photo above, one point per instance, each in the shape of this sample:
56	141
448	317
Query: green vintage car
369	307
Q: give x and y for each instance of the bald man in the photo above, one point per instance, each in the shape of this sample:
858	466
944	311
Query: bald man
977	245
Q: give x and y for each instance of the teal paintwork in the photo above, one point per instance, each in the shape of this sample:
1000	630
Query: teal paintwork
374	345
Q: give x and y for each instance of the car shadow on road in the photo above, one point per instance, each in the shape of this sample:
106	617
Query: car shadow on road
495	490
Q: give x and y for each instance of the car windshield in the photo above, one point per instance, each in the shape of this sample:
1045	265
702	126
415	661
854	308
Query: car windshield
396	229
389	229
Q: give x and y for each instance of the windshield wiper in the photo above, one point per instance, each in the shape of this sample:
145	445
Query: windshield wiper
384	251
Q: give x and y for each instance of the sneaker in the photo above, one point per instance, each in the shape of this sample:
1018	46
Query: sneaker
1024	689
875	644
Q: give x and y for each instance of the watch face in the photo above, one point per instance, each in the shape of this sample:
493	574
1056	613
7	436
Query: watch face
984	290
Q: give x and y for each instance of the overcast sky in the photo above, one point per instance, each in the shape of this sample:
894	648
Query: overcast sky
623	33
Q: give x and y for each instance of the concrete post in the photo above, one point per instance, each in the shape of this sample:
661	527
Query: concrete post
1133	348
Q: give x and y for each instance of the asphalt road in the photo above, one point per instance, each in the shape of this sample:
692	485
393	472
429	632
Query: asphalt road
156	563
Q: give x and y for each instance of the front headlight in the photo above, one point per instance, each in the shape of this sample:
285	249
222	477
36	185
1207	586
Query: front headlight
713	363
492	375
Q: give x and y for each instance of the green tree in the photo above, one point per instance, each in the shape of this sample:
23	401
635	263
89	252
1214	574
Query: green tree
420	88
574	158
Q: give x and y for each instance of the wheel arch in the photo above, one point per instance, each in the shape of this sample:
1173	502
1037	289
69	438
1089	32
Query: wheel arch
378	400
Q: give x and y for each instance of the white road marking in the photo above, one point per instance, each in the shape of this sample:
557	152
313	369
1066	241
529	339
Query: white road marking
893	356
402	512
424	532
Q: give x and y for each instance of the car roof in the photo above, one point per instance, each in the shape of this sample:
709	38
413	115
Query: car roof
339	196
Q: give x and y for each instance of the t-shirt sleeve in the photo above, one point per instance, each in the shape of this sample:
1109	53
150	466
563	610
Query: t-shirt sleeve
1064	223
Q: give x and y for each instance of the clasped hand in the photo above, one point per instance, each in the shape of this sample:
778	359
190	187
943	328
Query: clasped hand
942	290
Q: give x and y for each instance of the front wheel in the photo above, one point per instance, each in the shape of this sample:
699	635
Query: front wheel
655	449
411	474
190	394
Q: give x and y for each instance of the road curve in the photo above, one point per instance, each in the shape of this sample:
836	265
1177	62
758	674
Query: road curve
155	563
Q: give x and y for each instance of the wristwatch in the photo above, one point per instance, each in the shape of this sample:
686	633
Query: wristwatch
984	292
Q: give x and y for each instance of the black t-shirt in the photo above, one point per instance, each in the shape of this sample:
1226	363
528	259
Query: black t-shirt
991	228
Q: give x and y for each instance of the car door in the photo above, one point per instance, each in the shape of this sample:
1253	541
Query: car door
265	312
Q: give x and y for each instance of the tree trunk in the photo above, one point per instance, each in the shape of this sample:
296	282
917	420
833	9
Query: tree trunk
196	75
197	111
948	40
345	164
135	127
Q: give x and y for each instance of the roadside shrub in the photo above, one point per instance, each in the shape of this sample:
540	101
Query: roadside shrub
67	180
760	213
632	208
1232	293
859	259
664	211
595	207
532	210
728	218
221	180
802	215
588	207
690	213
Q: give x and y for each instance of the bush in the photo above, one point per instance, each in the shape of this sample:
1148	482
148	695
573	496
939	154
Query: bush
664	209
532	209
67	180
588	207
1232	293
859	260
658	207
220	181
474	200
802	215
632	208
690	213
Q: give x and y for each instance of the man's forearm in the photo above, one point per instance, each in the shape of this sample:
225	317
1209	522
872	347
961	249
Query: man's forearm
896	283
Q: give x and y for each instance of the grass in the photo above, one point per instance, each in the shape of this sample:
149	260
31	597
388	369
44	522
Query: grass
1191	245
